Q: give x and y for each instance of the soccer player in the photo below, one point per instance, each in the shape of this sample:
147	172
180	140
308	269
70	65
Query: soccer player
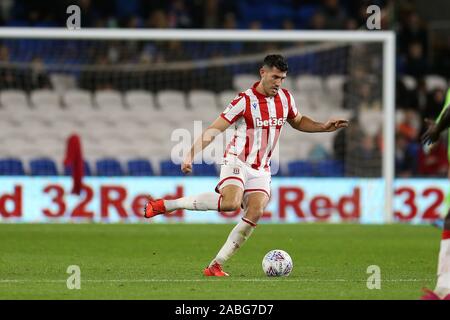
258	115
442	290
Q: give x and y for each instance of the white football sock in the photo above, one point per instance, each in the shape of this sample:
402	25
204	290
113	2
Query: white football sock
240	233
443	282
200	202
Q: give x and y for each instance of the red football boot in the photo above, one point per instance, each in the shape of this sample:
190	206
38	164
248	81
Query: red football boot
154	207
430	295
215	270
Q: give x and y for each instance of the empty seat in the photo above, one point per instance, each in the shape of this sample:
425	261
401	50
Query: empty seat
330	168
203	169
43	167
335	83
370	121
109	167
242	82
77	99
108	100
171	100
45	100
11	167
86	169
139	100
225	97
14	100
309	84
168	168
140	167
62	82
288	84
301	168
202	100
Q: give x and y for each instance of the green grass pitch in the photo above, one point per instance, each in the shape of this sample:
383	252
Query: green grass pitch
165	261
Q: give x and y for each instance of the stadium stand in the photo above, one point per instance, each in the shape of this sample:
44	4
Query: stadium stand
130	115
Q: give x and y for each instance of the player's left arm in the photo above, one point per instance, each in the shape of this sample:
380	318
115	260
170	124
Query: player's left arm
306	124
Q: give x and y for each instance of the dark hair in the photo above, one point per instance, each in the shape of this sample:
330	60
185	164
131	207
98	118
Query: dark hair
277	61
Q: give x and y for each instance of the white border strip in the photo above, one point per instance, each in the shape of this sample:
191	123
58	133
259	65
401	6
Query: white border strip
194	34
205	280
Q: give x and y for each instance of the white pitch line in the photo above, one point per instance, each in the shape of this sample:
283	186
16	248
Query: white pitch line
203	280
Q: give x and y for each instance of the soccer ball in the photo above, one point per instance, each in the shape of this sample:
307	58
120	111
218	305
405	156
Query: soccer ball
277	263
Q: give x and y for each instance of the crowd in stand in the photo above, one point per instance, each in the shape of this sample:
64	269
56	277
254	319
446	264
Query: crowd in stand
413	49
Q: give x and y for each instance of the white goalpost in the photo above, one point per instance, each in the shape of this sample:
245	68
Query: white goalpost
385	38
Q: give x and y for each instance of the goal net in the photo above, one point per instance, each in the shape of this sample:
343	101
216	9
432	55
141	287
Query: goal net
150	94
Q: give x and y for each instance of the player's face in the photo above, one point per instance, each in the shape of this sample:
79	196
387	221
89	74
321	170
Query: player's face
271	80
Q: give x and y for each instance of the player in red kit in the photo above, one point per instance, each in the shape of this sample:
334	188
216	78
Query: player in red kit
258	115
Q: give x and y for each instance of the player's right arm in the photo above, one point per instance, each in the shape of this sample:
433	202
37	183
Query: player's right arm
435	129
217	127
231	114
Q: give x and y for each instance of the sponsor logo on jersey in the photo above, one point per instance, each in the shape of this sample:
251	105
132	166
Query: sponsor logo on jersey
271	122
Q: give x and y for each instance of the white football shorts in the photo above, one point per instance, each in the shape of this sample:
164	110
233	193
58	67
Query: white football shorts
235	172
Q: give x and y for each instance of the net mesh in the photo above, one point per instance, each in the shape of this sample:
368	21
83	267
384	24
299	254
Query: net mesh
198	79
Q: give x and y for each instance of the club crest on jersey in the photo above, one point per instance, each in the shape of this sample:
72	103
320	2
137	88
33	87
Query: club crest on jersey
271	122
236	170
254	105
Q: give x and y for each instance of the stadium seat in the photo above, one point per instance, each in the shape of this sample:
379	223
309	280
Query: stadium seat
202	99
242	82
45	100
86	167
330	168
108	100
109	167
225	97
77	99
204	169
171	100
62	82
11	167
335	83
168	168
139	100
370	121
43	167
14	100
288	84
301	168
309	84
139	167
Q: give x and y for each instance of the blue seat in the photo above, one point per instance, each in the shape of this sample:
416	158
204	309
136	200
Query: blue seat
204	169
43	167
86	166
139	168
168	168
109	167
11	167
330	168
275	169
301	168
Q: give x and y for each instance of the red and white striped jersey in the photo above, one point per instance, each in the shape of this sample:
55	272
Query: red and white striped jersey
258	122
